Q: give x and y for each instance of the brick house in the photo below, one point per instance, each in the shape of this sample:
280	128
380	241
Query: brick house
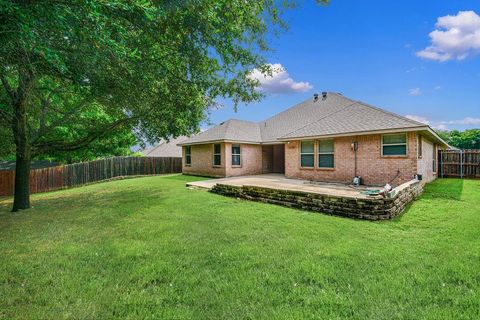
327	138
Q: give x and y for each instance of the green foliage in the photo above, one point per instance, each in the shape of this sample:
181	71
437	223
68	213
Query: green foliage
149	65
72	72
7	147
151	248
468	139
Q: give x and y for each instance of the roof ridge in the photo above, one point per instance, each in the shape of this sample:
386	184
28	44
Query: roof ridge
391	113
284	111
322	118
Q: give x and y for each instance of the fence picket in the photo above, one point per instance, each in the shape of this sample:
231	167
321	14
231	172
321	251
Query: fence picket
460	163
54	178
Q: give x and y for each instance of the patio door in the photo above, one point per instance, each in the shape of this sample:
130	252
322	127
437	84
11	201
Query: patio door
273	158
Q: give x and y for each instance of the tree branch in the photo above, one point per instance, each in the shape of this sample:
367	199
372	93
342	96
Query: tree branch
59	145
7	87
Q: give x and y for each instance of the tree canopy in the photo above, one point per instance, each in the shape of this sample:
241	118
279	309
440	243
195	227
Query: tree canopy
468	139
74	71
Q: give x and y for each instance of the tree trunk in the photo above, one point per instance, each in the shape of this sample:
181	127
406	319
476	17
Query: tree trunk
23	151
22	179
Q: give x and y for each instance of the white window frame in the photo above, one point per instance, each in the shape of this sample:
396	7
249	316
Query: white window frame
237	154
307	153
326	153
435	158
217	154
188	154
395	144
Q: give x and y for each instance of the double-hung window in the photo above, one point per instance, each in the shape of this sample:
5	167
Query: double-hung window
217	154
394	144
326	154
188	155
307	154
236	155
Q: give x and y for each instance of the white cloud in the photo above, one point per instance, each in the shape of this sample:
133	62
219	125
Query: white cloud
279	82
440	126
445	125
437	87
415	92
455	37
418	118
468	121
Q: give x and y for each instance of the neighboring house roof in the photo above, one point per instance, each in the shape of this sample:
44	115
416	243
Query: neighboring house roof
166	148
332	115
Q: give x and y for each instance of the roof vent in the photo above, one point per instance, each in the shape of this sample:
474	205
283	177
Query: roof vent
324	95
315	97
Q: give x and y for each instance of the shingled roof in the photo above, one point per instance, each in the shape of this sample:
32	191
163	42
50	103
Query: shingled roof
166	148
230	130
331	115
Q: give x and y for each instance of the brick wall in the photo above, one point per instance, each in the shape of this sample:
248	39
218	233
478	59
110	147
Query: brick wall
251	160
202	161
371	166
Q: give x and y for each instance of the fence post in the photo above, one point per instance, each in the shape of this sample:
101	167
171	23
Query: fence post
441	163
461	164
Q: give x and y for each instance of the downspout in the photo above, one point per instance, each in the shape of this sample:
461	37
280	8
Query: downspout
355	148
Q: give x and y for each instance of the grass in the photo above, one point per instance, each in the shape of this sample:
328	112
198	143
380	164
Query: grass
150	248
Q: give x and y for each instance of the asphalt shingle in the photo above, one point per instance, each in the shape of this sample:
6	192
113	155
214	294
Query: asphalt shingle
330	115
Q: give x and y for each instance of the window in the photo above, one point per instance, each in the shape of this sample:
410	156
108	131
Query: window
394	145
325	154
236	156
420	146
307	154
434	158
217	154
188	155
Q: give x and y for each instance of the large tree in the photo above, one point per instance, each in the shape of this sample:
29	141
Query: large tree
468	139
155	66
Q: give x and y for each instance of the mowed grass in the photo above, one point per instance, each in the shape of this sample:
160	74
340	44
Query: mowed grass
151	248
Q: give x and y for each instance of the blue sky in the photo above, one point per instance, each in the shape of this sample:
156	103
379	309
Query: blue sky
382	53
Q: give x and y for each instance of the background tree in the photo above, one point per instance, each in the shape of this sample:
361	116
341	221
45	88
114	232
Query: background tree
150	65
468	139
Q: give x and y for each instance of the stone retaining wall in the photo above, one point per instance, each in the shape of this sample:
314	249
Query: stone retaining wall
374	208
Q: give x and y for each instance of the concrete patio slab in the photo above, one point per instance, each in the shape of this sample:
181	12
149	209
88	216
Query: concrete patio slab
278	181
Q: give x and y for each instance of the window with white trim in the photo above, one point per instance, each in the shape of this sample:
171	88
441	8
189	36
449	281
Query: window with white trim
434	158
217	154
236	155
188	155
326	154
307	154
394	144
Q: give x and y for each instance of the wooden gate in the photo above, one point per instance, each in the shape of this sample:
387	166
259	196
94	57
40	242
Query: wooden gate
459	164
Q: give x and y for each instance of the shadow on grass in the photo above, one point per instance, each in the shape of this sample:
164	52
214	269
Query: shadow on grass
110	204
445	188
187	178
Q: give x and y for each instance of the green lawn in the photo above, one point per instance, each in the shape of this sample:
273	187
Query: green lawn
150	248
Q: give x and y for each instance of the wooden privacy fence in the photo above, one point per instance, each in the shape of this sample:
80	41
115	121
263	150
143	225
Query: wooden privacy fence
459	163
54	178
